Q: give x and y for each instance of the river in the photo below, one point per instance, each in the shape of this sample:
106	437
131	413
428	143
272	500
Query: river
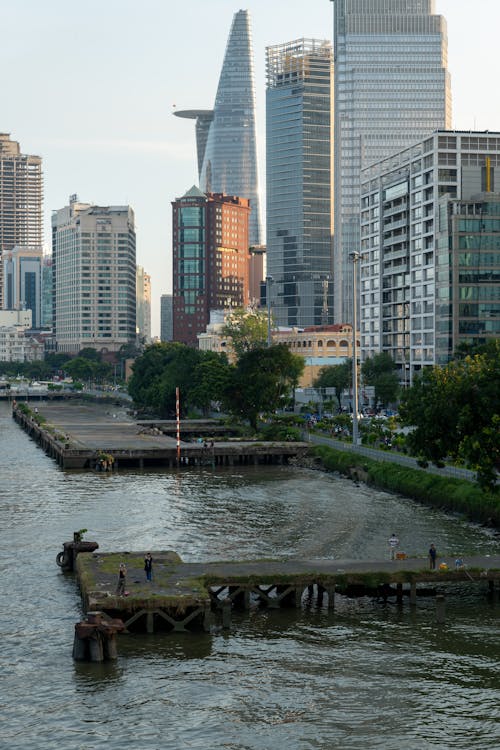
366	676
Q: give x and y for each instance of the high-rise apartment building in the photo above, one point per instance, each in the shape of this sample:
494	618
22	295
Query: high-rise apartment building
210	259
430	250
392	89
21	194
143	313
47	285
225	136
94	277
299	181
22	281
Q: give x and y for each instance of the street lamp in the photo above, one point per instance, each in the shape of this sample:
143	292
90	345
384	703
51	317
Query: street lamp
269	281
355	257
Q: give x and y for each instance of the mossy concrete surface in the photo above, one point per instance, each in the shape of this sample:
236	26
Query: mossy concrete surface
179	586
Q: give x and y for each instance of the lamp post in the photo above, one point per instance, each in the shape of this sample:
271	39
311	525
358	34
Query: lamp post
269	281
354	256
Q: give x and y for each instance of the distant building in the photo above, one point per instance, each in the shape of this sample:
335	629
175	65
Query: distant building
225	136
320	346
256	272
299	181
213	339
47	291
16	345
21	195
430	249
392	88
210	259
167	318
22	281
143	312
94	277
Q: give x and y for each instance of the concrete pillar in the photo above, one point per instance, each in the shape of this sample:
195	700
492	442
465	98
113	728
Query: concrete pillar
150	622
110	650
96	648
79	649
226	614
331	597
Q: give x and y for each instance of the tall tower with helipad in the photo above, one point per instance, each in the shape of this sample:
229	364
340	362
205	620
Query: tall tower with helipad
226	140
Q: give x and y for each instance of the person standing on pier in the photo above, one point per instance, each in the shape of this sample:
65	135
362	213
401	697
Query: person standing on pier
148	566
122	577
393	545
432	557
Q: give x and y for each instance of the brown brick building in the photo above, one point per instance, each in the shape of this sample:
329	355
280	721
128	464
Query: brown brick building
210	259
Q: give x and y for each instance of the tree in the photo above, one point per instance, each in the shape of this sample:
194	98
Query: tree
159	371
455	412
260	379
380	372
210	380
89	353
247	330
335	376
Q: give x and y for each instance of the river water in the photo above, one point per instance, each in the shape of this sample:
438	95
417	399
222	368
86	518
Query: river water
365	676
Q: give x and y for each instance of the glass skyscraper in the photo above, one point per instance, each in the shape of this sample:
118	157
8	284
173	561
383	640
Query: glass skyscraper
225	136
299	180
392	88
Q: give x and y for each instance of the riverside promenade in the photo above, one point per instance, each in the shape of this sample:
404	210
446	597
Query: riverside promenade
84	435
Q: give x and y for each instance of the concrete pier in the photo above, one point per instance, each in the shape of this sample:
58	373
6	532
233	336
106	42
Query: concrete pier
86	436
185	596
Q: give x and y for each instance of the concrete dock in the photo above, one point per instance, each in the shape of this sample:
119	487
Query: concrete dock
79	434
184	596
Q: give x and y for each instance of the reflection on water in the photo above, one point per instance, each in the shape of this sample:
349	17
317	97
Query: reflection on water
368	675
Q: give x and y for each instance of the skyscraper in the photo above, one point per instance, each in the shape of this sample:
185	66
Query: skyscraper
392	88
210	259
225	136
20	199
94	277
299	181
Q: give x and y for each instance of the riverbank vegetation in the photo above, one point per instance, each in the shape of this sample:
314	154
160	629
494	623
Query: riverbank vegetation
444	493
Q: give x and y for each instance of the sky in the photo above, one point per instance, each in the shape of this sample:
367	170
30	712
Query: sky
91	88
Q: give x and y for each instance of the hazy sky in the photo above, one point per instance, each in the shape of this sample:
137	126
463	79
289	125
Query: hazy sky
91	87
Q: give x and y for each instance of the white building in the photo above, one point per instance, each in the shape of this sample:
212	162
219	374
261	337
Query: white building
15	346
94	273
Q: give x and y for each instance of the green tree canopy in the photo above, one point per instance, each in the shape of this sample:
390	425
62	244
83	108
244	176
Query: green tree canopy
260	379
247	330
335	376
455	411
380	372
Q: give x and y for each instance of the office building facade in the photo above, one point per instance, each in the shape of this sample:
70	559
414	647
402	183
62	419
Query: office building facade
430	250
22	281
299	181
21	195
94	277
210	259
166	318
226	136
392	89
